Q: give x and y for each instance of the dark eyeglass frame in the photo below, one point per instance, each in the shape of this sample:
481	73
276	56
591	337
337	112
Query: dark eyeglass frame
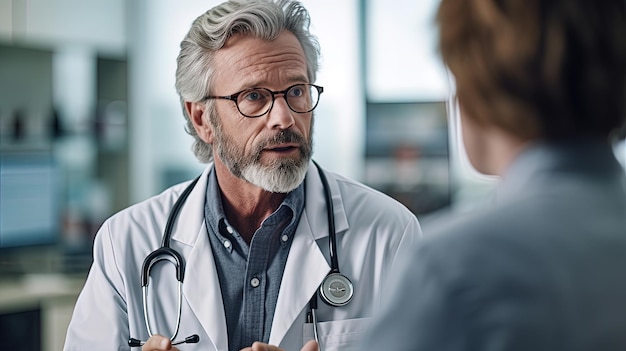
234	97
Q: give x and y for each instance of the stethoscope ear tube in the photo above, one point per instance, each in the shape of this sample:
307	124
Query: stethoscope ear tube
162	253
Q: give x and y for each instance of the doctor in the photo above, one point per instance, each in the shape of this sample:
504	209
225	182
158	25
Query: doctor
254	234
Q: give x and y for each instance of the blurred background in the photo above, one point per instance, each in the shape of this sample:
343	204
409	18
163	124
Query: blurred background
90	123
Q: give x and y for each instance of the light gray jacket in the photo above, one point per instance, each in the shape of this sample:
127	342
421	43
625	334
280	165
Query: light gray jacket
542	269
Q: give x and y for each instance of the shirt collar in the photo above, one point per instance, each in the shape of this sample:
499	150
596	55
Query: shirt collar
213	203
539	161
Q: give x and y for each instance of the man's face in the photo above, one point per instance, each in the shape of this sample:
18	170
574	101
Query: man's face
271	151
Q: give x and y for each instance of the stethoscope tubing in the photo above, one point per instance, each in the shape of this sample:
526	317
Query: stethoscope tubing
146	314
171	219
330	213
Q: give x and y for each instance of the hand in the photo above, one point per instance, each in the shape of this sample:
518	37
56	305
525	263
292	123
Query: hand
158	343
259	346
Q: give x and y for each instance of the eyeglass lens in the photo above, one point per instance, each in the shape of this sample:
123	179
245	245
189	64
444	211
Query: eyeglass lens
300	98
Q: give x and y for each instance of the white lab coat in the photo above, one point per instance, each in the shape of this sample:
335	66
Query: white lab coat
371	230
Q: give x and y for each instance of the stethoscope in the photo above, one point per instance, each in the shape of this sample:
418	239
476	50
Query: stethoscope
165	252
335	290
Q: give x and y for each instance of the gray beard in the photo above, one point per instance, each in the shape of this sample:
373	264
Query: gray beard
281	176
281	179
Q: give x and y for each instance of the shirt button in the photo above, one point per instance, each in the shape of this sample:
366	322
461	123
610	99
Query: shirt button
254	282
284	238
229	229
227	244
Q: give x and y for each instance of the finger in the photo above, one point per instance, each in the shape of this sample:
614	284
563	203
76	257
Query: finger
310	346
157	343
259	346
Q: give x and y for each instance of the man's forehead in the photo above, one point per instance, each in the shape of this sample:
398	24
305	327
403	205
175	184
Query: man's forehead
249	58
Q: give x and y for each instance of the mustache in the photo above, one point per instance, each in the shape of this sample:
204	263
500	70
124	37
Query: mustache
284	136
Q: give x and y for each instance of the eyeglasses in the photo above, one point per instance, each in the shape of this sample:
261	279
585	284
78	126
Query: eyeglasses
256	102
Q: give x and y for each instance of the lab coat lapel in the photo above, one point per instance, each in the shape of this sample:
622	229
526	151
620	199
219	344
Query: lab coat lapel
305	269
201	288
306	265
202	291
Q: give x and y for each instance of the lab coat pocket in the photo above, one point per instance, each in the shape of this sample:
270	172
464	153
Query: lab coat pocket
338	335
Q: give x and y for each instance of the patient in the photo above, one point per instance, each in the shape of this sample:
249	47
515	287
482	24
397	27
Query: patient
541	86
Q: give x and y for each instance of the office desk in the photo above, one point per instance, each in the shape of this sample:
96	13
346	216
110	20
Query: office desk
46	298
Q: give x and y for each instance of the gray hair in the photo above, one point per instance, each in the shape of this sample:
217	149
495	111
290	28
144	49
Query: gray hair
264	19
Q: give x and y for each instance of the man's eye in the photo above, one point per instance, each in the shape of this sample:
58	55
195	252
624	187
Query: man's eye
253	95
296	91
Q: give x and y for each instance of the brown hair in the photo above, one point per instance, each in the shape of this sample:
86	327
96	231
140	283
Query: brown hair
538	68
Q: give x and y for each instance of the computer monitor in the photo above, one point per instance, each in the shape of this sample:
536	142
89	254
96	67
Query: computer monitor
29	200
407	153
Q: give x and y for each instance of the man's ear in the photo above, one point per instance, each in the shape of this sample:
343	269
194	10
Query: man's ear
197	112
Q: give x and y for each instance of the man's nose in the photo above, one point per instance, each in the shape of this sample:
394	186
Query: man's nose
280	116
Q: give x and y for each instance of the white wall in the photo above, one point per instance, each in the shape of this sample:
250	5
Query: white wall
403	63
340	118
98	24
157	138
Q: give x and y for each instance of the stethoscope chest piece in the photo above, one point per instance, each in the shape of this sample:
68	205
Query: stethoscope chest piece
336	289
